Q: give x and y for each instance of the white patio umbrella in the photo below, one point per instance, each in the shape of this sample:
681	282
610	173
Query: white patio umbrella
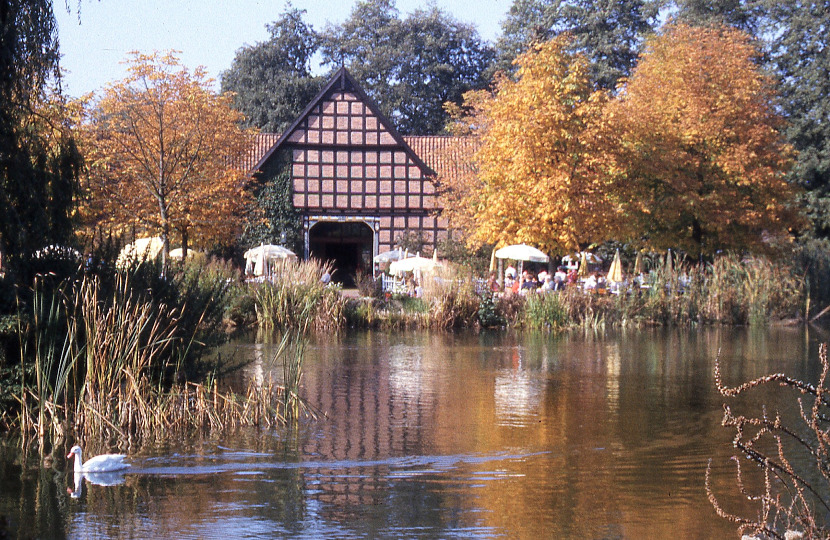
261	257
522	252
388	256
413	264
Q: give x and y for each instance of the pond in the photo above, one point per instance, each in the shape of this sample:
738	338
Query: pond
432	435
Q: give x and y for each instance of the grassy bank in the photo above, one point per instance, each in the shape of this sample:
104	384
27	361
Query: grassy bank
729	291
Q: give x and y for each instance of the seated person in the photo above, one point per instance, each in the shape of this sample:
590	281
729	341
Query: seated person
590	283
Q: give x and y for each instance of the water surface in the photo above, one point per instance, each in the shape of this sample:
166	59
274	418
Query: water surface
429	435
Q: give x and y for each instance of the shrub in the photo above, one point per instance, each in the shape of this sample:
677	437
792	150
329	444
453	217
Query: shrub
794	500
546	310
488	315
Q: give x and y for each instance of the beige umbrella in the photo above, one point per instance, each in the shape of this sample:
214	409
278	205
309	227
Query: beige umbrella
615	272
638	264
583	265
493	260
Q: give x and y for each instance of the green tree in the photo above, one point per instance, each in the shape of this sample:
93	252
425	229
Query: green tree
409	67
39	161
272	80
608	32
741	14
800	56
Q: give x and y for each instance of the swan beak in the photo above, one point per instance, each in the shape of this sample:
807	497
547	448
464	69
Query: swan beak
70	454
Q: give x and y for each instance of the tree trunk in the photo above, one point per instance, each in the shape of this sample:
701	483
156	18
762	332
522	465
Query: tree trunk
165	234
183	231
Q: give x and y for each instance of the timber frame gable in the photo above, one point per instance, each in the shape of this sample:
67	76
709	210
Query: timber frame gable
356	182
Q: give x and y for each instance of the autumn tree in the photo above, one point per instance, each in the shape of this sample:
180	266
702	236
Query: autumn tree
538	164
165	152
702	162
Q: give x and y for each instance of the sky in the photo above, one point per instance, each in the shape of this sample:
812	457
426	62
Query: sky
95	41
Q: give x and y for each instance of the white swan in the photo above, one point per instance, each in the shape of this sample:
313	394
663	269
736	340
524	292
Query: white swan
102	463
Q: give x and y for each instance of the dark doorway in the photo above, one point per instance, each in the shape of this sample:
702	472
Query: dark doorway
347	245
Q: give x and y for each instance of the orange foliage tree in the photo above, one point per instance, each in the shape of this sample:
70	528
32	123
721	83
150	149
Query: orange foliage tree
164	154
537	160
701	161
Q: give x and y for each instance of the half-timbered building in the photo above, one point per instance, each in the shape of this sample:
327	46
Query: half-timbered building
357	183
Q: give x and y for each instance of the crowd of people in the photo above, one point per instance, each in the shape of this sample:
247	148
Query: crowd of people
544	281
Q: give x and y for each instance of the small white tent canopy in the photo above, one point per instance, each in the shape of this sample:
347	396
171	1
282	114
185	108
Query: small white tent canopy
259	261
143	249
389	256
178	253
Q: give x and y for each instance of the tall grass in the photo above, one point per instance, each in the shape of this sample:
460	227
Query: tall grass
731	290
54	359
451	299
548	311
447	300
294	297
113	362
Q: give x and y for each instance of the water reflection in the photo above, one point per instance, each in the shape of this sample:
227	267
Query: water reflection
441	436
98	479
518	391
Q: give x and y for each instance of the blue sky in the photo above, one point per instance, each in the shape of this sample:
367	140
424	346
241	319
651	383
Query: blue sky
208	32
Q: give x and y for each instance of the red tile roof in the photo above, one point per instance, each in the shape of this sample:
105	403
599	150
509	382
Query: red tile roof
448	156
262	143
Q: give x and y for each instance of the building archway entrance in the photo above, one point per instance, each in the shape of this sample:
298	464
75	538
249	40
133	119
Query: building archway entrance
347	245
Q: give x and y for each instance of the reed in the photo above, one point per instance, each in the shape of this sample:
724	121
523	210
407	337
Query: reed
54	360
730	290
290	354
109	364
395	313
294	297
546	311
447	300
451	299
